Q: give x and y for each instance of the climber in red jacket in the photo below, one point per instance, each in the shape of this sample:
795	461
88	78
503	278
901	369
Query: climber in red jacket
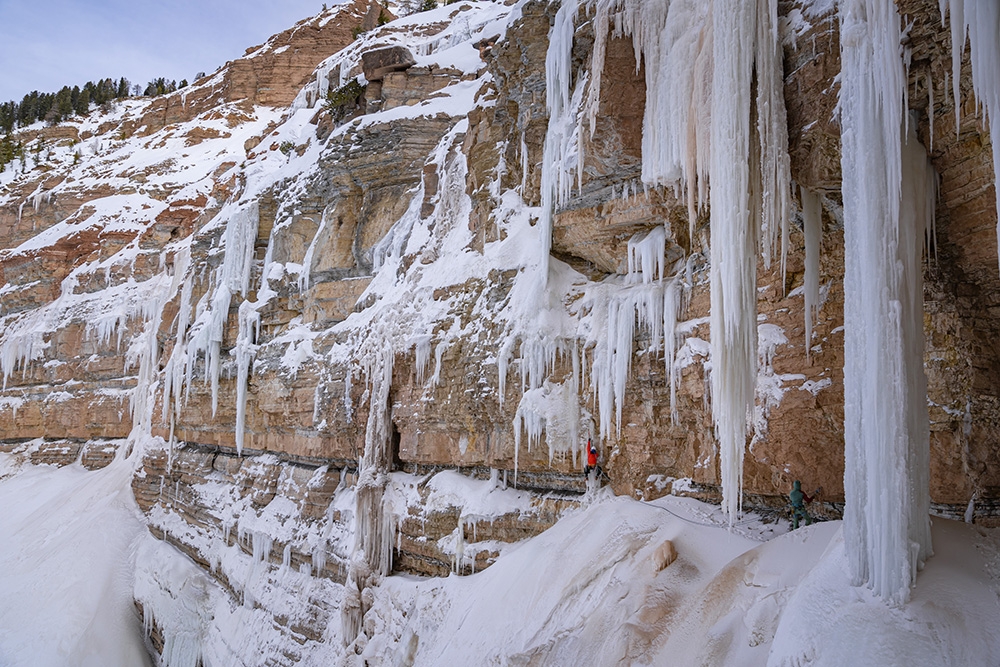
591	459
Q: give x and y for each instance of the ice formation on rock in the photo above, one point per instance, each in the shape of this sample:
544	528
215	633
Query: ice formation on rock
888	189
144	351
702	123
980	20
562	162
674	41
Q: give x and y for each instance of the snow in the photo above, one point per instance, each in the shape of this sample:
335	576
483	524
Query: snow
751	595
825	610
723	601
65	572
478	499
728	600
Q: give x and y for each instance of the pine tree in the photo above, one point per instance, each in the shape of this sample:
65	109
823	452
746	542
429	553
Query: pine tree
82	107
8	116
63	107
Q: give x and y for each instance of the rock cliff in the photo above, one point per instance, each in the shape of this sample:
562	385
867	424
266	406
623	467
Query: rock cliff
311	269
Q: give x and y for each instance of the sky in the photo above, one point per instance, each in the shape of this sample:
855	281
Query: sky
48	44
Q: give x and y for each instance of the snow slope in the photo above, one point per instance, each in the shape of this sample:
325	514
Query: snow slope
65	570
584	592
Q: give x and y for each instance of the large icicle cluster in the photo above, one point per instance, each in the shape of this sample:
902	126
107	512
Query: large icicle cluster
144	351
702	124
673	39
203	336
646	298
980	19
888	189
561	157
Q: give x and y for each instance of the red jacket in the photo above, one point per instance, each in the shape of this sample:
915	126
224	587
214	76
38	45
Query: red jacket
592	458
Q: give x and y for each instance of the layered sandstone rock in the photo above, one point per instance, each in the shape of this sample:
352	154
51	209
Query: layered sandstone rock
344	347
324	226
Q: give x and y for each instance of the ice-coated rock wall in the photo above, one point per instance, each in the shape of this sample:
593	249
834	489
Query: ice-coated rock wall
562	223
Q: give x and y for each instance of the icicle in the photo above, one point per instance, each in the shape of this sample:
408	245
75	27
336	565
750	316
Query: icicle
231	278
173	374
554	409
981	19
524	167
439	351
615	312
348	404
422	352
319	557
671	305
957	10
930	107
646	256
812	226
456	563
772	128
886	526
307	260
561	151
245	350
733	245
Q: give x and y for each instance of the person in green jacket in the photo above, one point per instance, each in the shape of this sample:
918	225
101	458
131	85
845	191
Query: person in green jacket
799	500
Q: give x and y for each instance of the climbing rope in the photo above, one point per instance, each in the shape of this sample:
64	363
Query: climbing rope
698	523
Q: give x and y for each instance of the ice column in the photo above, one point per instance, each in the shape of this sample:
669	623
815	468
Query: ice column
372	557
733	243
886	202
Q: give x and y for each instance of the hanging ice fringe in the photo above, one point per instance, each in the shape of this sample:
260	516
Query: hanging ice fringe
888	188
980	19
701	124
203	336
561	152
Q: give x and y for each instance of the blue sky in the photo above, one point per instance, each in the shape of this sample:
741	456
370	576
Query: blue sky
46	44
